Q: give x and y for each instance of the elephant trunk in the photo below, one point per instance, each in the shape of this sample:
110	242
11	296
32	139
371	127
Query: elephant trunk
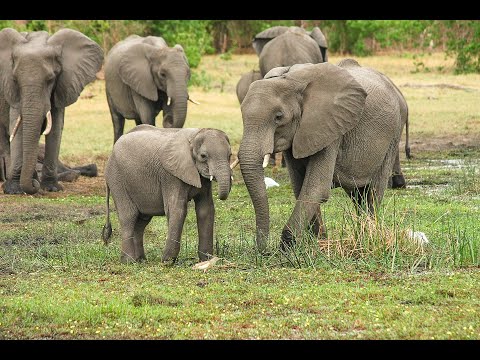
32	120
251	159
224	180
178	100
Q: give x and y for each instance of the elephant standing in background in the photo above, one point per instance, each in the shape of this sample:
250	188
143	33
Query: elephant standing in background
154	171
289	45
40	75
337	125
244	83
144	76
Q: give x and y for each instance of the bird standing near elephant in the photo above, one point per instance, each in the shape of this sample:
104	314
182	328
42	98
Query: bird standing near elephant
40	75
144	76
155	171
335	124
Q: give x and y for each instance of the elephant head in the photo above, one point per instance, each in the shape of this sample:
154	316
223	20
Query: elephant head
154	71
303	109
262	38
204	153
39	72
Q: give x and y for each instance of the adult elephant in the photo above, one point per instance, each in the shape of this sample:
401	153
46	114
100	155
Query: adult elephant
144	76
288	45
337	125
40	75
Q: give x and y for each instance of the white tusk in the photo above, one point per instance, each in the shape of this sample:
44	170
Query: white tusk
235	163
49	123
231	177
15	128
193	101
211	177
266	159
169	100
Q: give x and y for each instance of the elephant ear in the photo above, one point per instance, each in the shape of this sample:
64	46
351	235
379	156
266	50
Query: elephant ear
81	58
8	39
262	38
317	35
180	49
333	102
178	159
134	70
276	72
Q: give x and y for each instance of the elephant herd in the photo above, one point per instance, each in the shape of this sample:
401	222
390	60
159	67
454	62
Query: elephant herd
335	125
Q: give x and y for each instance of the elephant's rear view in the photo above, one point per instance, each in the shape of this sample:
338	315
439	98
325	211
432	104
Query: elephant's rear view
144	76
286	46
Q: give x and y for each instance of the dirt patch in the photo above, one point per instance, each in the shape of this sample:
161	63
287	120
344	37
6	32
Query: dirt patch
440	86
442	143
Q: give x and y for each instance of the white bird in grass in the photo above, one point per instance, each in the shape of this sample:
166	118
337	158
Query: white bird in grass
269	182
205	265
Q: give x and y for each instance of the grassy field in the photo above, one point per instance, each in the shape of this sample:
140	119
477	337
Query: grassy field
367	280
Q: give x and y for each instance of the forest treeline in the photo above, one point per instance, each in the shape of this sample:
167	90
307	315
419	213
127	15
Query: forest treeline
458	38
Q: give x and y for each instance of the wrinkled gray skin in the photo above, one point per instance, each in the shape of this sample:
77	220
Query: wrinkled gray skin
280	46
64	172
140	74
334	125
285	46
244	83
39	73
154	171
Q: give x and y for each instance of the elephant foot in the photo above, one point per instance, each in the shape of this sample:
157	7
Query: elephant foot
127	259
89	170
398	181
12	187
69	176
52	186
287	240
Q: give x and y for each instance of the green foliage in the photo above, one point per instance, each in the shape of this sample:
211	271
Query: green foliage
191	34
463	43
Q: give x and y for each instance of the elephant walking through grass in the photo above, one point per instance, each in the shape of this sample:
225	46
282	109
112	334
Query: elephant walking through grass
337	124
154	171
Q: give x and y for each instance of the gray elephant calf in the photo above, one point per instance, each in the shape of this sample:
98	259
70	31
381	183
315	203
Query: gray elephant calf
157	171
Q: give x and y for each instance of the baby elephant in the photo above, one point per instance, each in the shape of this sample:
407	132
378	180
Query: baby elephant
157	171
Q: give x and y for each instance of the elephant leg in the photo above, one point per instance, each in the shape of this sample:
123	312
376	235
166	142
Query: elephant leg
397	179
68	176
118	119
127	217
296	171
362	197
89	170
139	230
145	110
205	212
12	184
52	148
314	191
176	212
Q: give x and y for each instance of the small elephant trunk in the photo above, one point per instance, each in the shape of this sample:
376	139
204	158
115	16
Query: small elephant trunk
253	176
224	181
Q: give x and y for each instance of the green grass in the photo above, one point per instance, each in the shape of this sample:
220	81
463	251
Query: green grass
366	280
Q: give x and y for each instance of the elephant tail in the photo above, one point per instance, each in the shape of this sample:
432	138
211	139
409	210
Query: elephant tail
407	143
107	228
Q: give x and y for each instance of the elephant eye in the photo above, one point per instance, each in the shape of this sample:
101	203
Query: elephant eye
278	117
203	157
163	75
